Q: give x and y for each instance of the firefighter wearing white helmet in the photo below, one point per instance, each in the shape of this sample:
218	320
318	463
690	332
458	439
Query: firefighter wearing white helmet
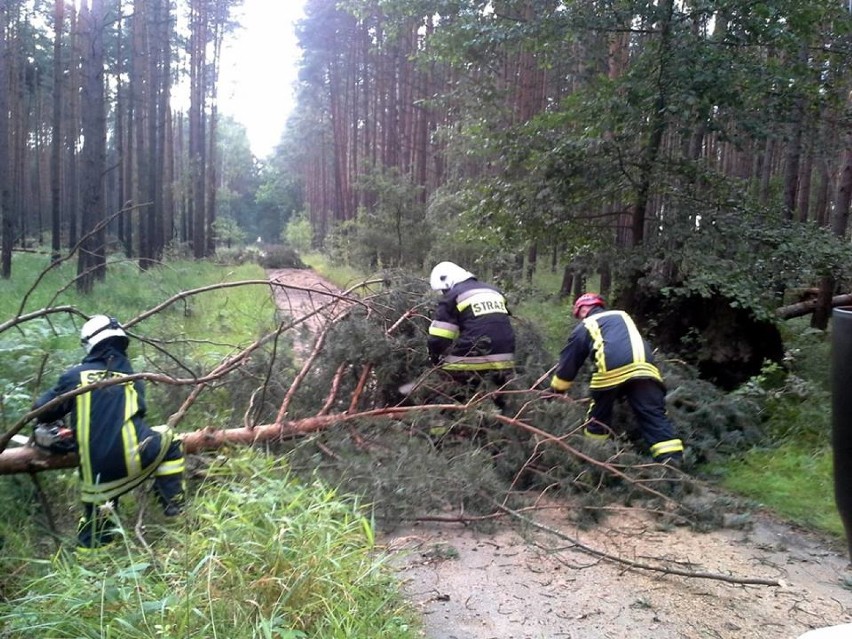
99	328
118	450
471	336
446	275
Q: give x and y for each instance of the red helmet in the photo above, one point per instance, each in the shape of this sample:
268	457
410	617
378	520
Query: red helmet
587	299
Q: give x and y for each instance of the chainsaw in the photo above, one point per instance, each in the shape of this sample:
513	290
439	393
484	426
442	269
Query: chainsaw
54	437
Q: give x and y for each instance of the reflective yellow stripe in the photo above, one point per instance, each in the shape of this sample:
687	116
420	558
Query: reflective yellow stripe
636	342
447	330
608	379
84	403
171	467
597	343
591	435
101	493
442	332
667	447
557	383
132	458
478	366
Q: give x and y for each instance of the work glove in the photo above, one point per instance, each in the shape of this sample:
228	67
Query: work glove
558	385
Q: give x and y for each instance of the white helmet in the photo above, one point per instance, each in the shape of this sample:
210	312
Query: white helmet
446	275
99	328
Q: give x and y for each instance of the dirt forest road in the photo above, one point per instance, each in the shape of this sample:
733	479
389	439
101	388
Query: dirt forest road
514	585
523	582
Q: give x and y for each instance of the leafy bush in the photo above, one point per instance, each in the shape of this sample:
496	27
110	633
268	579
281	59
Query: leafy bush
298	233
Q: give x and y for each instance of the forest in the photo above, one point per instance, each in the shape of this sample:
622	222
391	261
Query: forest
687	154
691	160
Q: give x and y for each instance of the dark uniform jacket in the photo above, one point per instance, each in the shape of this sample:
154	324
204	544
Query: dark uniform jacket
471	330
117	448
618	351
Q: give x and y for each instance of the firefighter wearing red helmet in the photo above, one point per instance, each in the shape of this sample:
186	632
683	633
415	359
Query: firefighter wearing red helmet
624	367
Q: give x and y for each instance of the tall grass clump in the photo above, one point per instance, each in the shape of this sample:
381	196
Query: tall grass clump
259	555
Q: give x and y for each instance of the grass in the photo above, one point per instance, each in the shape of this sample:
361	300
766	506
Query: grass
341	275
795	483
792	474
259	555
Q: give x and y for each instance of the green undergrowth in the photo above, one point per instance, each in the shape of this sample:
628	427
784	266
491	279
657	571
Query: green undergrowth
259	554
185	338
791	481
790	470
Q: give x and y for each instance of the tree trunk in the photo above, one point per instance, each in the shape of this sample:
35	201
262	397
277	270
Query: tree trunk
5	187
120	140
56	141
579	284
823	303
92	250
657	128
26	459
197	126
606	279
72	134
804	196
801	309
839	224
532	260
567	282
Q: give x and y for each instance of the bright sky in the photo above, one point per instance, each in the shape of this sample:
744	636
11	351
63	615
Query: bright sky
259	70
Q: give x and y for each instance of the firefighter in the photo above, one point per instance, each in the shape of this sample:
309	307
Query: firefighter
118	450
624	367
471	337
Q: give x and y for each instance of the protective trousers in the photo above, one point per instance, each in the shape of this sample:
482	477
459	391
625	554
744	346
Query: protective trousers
468	383
647	399
99	525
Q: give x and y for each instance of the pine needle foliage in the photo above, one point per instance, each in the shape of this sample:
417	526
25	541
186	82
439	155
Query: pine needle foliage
454	452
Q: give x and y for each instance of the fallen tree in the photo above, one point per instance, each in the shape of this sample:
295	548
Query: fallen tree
806	307
340	413
29	459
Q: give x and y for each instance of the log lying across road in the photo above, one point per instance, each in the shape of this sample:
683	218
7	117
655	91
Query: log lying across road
27	459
